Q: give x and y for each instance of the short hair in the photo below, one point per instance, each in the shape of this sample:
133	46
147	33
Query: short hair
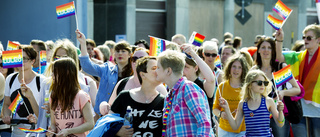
29	50
172	46
199	51
192	63
215	40
141	65
228	47
230	61
91	42
246	93
123	45
228	41
236	41
142	41
210	45
105	51
110	43
181	38
314	28
297	45
40	43
227	35
49	44
174	60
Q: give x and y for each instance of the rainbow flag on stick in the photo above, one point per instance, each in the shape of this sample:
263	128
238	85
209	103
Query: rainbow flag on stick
43	58
16	103
282	76
12	46
217	62
12	58
39	130
196	39
282	10
274	22
65	10
156	46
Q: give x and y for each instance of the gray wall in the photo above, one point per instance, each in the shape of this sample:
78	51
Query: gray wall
36	19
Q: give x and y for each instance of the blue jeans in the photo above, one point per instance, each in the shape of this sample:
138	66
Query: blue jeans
223	133
277	131
300	129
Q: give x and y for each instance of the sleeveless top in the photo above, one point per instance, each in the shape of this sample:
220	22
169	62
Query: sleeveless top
257	121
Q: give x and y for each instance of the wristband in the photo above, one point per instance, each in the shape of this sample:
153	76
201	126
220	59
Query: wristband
281	121
279	40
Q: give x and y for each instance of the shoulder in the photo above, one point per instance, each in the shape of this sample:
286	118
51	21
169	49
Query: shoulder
11	75
269	100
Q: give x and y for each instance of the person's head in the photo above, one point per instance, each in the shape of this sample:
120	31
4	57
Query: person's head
137	54
29	56
215	40
170	62
105	51
191	69
111	44
226	52
199	51
65	84
237	42
266	50
179	39
248	57
172	46
228	42
255	82
146	69
236	68
122	56
5	71
38	45
49	47
227	35
142	43
257	39
311	37
90	46
298	46
210	52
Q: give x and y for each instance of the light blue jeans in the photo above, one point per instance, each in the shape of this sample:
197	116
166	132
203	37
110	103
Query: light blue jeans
223	133
300	129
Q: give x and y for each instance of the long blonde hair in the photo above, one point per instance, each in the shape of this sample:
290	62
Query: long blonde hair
246	92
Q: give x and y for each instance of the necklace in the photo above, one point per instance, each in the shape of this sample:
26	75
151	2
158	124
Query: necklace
147	99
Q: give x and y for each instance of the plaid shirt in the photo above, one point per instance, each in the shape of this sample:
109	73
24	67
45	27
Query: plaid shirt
189	114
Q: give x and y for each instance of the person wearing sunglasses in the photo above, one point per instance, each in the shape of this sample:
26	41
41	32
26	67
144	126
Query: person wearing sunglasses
266	62
255	106
129	82
234	76
305	68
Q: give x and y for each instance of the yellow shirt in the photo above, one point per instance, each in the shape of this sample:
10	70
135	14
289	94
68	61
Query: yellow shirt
232	95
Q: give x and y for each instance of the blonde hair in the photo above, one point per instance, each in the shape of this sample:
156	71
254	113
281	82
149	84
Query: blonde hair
174	60
246	92
210	45
314	28
230	61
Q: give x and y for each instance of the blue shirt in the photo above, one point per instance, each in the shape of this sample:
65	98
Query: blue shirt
108	74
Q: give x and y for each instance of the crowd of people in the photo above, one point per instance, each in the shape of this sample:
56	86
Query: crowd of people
183	91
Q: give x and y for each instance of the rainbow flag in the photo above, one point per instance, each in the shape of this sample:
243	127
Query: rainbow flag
156	46
282	10
43	58
282	76
217	62
196	39
65	10
16	103
12	46
12	58
39	130
274	22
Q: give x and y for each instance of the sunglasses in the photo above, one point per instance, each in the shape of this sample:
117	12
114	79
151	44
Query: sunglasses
211	54
134	59
259	82
308	37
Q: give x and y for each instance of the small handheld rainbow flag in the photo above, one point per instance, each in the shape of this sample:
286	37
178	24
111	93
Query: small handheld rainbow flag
282	76
65	10
12	58
196	39
43	58
16	103
274	22
39	130
12	46
156	46
282	10
217	62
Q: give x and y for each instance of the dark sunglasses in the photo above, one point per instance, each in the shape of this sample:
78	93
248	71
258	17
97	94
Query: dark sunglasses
259	82
308	37
211	54
134	59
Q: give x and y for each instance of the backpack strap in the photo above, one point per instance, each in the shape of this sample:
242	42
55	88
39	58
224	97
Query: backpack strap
38	82
12	79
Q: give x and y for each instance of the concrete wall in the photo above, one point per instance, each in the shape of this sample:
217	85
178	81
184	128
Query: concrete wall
36	19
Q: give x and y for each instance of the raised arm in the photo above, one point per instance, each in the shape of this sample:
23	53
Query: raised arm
279	45
234	122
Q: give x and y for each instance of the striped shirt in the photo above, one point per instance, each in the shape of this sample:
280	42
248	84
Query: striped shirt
189	115
257	121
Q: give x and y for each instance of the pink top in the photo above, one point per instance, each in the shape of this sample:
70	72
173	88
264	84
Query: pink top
73	117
